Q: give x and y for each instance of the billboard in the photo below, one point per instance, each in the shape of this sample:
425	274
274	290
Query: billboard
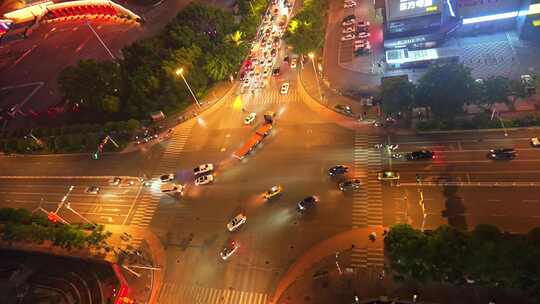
404	9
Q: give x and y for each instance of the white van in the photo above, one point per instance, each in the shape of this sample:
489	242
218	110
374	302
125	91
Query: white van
171	188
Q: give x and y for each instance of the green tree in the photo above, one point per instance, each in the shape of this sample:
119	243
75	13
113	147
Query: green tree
495	89
445	89
133	125
396	94
89	82
218	68
110	104
406	247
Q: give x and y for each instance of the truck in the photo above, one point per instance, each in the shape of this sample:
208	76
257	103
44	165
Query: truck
254	140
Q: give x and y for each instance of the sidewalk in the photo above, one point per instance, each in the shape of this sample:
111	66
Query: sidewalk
143	289
331	98
217	93
316	279
357	238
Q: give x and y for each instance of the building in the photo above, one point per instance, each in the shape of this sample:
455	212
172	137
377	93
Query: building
415	30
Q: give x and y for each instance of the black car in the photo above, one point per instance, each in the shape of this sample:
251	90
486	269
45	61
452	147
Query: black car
344	110
308	203
339	169
420	155
502	154
349	185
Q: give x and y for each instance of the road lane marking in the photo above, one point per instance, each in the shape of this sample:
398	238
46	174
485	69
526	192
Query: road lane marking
494	200
132	205
530	201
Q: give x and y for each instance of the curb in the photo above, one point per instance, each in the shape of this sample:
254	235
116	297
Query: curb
174	124
478	130
62	177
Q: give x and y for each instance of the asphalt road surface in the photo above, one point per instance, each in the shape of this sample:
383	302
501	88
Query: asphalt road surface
112	204
462	187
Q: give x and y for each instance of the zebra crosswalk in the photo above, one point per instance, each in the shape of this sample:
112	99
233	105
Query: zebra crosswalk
171	155
149	199
172	293
367	203
271	96
367	257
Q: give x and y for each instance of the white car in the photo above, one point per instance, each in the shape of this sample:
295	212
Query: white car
363	24
349	4
348	37
250	118
348	22
364	35
205	179
166	177
236	222
348	30
535	142
229	250
293	63
285	88
203	169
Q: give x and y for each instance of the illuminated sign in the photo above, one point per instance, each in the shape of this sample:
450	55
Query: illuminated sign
407	5
536	23
404	9
431	9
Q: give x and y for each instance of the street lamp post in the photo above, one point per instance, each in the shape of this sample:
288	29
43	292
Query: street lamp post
180	72
312	57
100	40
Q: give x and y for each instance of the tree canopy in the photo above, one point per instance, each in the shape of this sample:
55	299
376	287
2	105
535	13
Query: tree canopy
306	30
396	94
485	256
145	79
446	88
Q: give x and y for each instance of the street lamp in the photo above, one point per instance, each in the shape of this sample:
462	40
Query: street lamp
180	72
312	57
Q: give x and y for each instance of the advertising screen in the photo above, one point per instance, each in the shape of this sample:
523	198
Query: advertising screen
403	9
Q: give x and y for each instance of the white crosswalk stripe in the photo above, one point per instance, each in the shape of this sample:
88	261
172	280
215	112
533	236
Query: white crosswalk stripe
191	294
367	257
367	202
149	200
270	97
